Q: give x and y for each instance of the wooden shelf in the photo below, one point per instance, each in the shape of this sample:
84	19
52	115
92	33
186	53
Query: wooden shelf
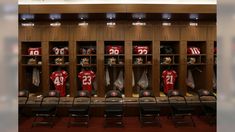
88	55
53	55
115	65
142	65
86	65
169	54
31	64
113	55
169	64
31	55
196	64
142	54
58	64
196	55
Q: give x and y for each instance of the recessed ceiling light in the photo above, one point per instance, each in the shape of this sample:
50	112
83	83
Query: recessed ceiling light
83	16
110	16
193	16
27	16
138	16
55	16
166	16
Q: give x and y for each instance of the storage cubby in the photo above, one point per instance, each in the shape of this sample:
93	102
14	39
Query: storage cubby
114	61
196	53
169	52
141	66
31	66
86	61
58	53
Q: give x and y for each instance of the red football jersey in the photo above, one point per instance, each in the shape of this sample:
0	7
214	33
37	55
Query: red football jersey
86	77
193	50
114	50
141	49
59	79
34	51
169	77
60	51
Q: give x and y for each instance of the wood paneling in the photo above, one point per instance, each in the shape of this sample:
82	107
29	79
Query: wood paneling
61	33
194	33
212	33
79	8
30	33
85	32
139	33
154	8
100	69
167	33
72	68
156	67
128	69
45	68
116	32
99	8
183	67
210	64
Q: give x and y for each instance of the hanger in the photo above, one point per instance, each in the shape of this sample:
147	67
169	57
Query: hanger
196	68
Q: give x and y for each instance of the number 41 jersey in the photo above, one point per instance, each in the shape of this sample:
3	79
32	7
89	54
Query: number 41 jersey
59	79
169	77
86	77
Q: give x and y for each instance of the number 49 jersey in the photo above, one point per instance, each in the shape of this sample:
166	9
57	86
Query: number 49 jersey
59	79
86	77
169	77
34	51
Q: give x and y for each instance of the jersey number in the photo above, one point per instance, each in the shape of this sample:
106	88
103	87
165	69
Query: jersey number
86	80
169	79
114	51
34	52
59	81
142	51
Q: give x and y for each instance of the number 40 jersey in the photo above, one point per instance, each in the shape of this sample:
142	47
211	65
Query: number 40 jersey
86	77
169	77
59	79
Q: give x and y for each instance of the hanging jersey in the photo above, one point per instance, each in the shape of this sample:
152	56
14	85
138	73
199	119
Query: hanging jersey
59	80
60	51
141	50
114	50
169	77
34	51
86	77
194	50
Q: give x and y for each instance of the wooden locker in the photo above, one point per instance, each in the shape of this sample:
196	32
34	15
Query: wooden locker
30	33
61	33
167	33
193	33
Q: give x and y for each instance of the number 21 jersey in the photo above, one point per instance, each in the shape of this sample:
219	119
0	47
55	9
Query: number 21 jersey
169	77
59	79
86	77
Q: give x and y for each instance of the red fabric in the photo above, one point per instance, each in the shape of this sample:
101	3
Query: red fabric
86	77
34	51
141	49
59	79
194	50
169	77
114	50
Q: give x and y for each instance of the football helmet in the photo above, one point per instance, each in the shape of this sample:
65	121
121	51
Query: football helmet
166	60
112	60
59	60
192	60
84	61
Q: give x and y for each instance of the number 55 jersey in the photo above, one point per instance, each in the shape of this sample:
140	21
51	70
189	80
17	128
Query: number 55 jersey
59	79
86	77
169	77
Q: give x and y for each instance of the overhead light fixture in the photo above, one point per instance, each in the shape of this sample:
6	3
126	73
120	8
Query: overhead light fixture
166	24
138	23
83	16
193	24
111	23
55	24
110	16
166	16
27	16
55	16
82	23
193	16
138	16
28	24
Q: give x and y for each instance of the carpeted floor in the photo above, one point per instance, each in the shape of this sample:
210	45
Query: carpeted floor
132	124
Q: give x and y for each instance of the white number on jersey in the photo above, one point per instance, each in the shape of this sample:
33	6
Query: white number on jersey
114	51
59	81
86	80
169	79
34	52
142	51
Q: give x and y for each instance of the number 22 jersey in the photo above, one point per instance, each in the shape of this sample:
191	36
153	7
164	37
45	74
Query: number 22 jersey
59	79
169	77
86	77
